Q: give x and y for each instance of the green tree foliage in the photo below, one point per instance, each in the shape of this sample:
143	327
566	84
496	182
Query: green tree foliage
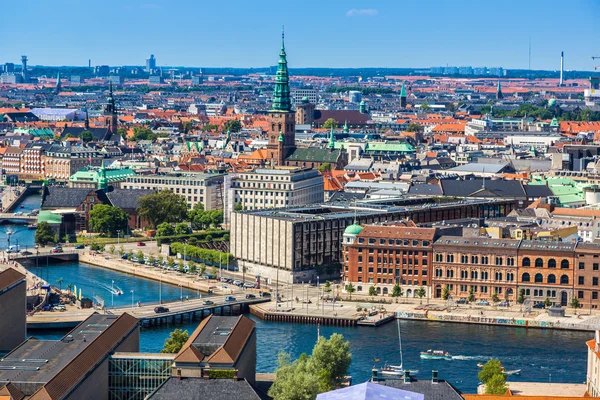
491	368
421	292
44	233
121	250
425	107
210	127
414	127
238	206
496	385
175	341
107	219
397	290
182	228
165	229
350	289
233	125
308	376
547	302
446	292
111	249
471	297
187	126
170	262
86	136
330	123
521	298
575	303
202	219
200	254
122	132
143	133
324	167
495	298
372	291
164	206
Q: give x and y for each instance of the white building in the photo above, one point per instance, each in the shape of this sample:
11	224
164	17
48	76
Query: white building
58	114
276	188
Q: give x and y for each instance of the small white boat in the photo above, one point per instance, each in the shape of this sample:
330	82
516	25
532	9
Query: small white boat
435	355
512	372
398	370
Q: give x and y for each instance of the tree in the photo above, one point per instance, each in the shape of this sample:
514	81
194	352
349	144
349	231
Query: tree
176	341
350	289
521	298
233	125
575	303
160	259
193	269
324	167
213	271
86	136
327	287
111	249
202	219
202	269
330	123
59	281
372	291
164	206
187	126
495	297
122	132
421	293
397	291
180	266
414	127
496	385
44	233
151	259
425	107
491	368
471	297
143	133
165	229
182	228
238	207
140	255
547	302
121	250
130	255
446	292
107	219
333	356
170	262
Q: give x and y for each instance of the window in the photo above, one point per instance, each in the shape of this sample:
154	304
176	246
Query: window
594	281
580	294
526	262
564	264
525	277
581	265
551	278
581	280
564	280
595	295
538	278
359	259
595	267
552	263
539	263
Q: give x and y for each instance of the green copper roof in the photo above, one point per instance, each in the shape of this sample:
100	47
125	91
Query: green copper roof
94	175
49	217
353	229
390	147
346	129
331	144
554	122
403	91
552	102
281	95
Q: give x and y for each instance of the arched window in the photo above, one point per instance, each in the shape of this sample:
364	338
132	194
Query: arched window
551	278
526	277
564	264
385	290
539	278
526	262
359	288
564	280
378	290
552	263
539	263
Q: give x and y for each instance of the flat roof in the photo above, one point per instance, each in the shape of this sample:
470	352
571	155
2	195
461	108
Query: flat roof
547	389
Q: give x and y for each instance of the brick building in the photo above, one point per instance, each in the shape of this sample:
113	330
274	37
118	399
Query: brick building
587	275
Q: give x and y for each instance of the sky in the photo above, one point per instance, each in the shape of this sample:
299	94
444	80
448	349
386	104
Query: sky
325	33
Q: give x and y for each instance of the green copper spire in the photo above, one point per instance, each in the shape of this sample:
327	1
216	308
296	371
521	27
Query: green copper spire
102	180
363	107
403	91
331	144
281	138
346	129
499	94
281	94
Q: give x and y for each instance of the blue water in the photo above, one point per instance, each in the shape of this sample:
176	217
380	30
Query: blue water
19	234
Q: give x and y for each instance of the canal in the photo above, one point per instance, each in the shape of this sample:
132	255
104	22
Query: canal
542	355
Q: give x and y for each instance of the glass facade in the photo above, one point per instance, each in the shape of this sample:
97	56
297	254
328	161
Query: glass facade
135	377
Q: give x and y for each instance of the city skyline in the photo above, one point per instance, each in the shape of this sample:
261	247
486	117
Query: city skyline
336	34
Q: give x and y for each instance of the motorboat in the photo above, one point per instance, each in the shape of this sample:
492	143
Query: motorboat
32	226
435	355
512	372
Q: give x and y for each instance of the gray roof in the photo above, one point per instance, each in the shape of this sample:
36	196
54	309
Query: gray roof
370	391
538	191
200	389
127	199
425	189
59	197
313	154
481	168
441	390
474	187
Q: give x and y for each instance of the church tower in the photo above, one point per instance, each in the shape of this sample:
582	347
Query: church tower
110	112
499	94
281	116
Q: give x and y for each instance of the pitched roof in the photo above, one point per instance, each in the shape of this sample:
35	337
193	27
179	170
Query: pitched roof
353	117
12	391
432	391
57	197
10	277
201	389
235	343
127	198
99	134
370	391
474	187
313	154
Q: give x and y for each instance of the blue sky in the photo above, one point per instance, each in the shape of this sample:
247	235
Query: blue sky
325	33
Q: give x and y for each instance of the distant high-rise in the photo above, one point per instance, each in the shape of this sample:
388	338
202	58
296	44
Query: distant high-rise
24	68
9	68
150	63
562	67
58	84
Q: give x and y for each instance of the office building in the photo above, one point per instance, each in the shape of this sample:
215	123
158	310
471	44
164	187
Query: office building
277	188
75	80
150	63
310	94
116	80
155	80
102	70
60	162
13	309
8	68
195	188
354	96
197	80
74	367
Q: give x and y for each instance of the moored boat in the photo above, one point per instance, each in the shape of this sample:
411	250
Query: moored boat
435	355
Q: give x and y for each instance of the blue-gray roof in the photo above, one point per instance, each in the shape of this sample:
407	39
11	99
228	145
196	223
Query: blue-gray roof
370	391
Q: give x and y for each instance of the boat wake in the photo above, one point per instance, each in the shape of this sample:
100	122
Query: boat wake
114	290
478	358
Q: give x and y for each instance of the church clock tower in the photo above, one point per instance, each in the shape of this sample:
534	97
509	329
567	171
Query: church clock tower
281	116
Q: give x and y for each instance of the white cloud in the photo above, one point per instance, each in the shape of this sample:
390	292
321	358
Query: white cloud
369	12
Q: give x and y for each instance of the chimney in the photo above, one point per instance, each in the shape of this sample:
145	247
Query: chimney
178	374
562	67
374	377
434	377
406	377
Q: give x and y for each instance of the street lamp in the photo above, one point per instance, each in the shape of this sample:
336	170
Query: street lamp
180	292
160	289
112	294
118	237
131	300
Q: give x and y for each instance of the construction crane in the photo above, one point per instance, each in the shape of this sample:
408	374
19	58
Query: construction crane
594	58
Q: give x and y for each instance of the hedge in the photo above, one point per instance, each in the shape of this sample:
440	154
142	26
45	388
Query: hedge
202	255
221	373
217	235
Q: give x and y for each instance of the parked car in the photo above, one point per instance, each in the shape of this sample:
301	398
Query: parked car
60	307
238	283
503	304
47	307
249	285
208	302
57	249
250	296
264	294
482	302
539	305
230	298
125	256
79	247
26	253
160	309
140	244
462	301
